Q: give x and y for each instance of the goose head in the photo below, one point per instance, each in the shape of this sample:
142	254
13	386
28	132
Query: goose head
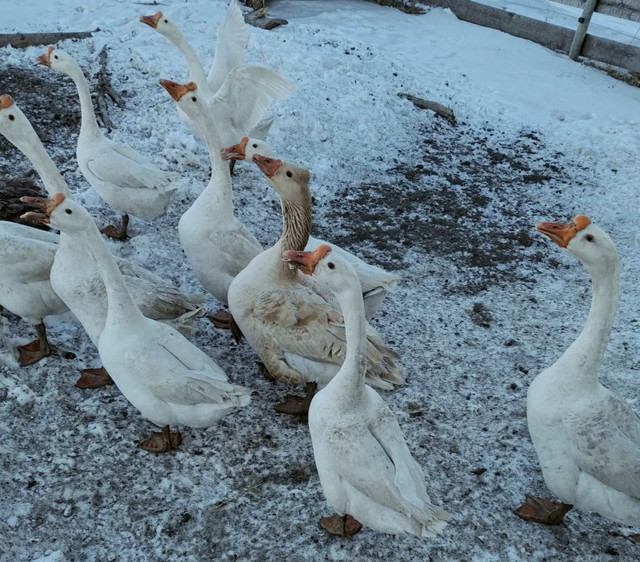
58	60
583	240
290	181
186	96
11	118
14	125
59	212
162	24
246	149
329	270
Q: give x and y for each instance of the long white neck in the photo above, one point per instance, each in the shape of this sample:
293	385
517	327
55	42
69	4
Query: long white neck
122	310
29	144
350	378
89	126
196	72
583	357
218	195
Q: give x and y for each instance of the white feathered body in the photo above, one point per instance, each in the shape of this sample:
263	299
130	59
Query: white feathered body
218	246
128	182
297	329
588	444
75	277
26	259
366	469
168	379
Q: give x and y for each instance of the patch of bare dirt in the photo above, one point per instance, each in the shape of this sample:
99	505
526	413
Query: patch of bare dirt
466	195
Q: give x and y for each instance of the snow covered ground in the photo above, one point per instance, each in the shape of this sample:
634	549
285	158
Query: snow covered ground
452	208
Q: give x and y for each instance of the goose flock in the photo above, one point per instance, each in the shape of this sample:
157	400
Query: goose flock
303	305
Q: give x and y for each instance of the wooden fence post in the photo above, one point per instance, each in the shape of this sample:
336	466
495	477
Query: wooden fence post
581	31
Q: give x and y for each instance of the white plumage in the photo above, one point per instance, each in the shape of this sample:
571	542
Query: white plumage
127	181
365	467
72	271
376	282
167	378
587	438
237	94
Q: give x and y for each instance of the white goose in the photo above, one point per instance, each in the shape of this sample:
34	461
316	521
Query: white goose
294	326
167	378
128	182
73	273
26	257
217	244
366	469
376	282
587	438
238	95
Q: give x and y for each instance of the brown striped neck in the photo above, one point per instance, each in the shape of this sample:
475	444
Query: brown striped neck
296	227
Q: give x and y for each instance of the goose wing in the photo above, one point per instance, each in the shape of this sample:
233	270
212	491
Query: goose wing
124	167
606	441
299	320
26	257
246	94
186	375
238	246
231	45
377	462
11	229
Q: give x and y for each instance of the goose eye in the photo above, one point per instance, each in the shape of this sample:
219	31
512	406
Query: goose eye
331	265
166	21
11	117
55	57
589	237
289	174
68	211
255	146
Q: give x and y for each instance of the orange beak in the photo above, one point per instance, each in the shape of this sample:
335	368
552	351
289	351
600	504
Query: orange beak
46	205
306	262
562	233
269	166
6	101
176	91
46	58
237	151
151	21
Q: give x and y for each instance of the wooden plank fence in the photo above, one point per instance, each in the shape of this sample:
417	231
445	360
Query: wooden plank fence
547	34
625	9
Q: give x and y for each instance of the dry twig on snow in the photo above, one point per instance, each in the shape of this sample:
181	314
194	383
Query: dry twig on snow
105	89
439	109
